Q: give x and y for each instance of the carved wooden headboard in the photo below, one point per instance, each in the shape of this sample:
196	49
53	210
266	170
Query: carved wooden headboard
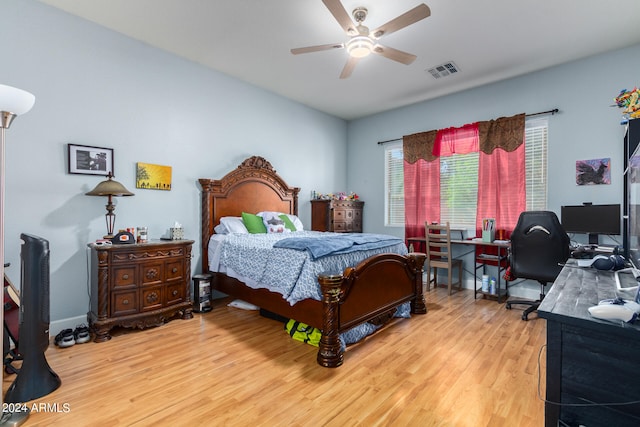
252	187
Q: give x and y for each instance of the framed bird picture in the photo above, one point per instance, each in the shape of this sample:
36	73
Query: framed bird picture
593	172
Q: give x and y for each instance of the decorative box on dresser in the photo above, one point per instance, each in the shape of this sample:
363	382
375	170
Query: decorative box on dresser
139	285
341	216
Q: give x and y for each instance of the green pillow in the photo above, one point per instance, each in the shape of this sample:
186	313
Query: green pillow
253	223
287	222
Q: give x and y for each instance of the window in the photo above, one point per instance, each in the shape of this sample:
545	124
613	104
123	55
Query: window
459	189
459	180
394	186
536	163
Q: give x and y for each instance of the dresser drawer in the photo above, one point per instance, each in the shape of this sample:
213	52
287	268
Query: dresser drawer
340	226
151	273
124	302
151	298
175	293
124	276
174	270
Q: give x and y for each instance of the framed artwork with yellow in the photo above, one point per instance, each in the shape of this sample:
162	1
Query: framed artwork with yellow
153	177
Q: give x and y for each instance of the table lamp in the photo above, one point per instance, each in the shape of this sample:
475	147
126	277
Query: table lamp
110	188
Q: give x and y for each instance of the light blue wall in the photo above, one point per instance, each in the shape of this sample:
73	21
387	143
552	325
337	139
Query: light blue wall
96	87
587	127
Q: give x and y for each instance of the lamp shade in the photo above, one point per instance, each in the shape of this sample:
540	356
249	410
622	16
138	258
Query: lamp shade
109	188
359	46
15	101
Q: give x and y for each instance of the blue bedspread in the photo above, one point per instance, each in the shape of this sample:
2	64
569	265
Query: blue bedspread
333	244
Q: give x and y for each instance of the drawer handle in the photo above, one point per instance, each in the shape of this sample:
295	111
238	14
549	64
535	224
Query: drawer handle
175	270
125	301
152	297
174	293
152	273
125	276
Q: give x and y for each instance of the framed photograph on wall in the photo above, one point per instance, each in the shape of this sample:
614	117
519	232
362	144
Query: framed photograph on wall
86	160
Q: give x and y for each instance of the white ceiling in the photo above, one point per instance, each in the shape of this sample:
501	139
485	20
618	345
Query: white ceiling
489	40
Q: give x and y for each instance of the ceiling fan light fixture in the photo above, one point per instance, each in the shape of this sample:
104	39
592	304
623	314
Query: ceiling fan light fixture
359	46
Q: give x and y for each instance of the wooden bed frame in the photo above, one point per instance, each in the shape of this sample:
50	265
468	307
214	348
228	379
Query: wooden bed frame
369	291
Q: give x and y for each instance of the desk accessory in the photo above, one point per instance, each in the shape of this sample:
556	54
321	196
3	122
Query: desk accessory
488	230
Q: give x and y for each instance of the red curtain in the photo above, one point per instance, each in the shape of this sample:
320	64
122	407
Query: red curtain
501	174
462	140
501	188
421	195
421	182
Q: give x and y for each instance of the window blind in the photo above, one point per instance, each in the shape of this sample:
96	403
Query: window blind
394	185
459	189
536	138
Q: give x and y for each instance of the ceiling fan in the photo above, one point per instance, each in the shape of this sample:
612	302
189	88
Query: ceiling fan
362	42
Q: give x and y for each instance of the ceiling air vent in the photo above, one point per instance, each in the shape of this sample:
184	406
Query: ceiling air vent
443	70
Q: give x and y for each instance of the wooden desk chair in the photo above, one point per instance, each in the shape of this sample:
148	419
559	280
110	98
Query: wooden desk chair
439	254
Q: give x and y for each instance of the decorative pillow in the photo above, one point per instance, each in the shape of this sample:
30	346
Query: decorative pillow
273	223
233	224
294	220
253	223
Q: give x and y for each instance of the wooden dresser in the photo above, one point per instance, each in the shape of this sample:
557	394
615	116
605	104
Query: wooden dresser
139	285
341	216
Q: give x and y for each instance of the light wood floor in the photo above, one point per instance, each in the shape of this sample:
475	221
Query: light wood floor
465	363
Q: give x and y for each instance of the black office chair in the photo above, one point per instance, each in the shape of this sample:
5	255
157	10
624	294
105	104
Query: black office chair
539	245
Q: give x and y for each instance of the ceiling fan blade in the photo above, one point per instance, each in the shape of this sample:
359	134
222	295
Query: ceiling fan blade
339	12
394	54
348	67
318	48
411	17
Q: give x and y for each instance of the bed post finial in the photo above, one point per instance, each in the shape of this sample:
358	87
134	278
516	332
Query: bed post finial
257	162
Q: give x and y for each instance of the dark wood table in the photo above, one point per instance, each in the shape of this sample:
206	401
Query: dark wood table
593	366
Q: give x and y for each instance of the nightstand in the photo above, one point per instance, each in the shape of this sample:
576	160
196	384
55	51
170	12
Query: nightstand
139	285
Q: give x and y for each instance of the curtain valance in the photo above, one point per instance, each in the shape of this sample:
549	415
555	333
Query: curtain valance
419	146
505	132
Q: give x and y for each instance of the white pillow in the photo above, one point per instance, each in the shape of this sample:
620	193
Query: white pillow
294	219
234	224
220	229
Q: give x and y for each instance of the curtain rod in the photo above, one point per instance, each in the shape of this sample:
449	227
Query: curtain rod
552	112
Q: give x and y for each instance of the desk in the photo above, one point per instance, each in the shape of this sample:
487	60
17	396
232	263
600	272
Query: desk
485	258
589	361
420	241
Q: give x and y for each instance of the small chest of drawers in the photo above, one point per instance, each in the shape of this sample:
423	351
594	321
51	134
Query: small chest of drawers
341	216
139	285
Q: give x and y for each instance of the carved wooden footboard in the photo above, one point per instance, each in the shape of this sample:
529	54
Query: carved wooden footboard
371	290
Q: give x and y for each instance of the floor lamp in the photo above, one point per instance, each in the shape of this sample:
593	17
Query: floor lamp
13	102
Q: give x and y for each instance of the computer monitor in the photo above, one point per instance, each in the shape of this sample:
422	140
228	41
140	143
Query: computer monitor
592	220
